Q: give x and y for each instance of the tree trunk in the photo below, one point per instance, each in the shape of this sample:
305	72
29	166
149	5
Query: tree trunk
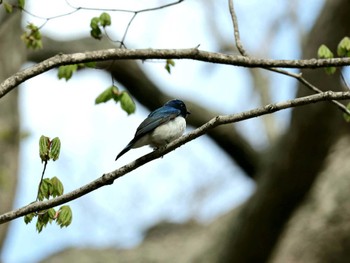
12	57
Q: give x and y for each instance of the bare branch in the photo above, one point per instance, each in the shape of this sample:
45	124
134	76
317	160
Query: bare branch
108	178
236	29
192	53
284	72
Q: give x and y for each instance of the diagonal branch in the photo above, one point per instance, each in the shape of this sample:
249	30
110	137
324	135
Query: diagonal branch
108	178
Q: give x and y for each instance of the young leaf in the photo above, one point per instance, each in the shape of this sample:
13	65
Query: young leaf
105	19
51	213
67	71
45	190
95	31
65	216
343	49
325	52
127	103
107	95
44	146
94	23
169	63
39	225
57	187
28	218
55	149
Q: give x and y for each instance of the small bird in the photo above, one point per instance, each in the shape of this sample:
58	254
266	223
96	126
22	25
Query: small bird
162	126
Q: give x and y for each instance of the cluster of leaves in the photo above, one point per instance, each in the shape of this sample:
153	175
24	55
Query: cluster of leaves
63	217
66	72
113	93
32	37
9	6
50	188
343	50
99	22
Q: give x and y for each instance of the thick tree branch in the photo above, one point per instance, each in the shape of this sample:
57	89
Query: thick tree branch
192	53
108	178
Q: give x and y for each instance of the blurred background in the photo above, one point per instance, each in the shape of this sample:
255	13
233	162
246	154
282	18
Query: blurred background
198	182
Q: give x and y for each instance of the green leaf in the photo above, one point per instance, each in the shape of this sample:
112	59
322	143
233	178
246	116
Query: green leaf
343	49
105	19
95	22
169	63
44	147
39	225
57	187
326	53
95	31
45	190
28	218
67	71
21	3
51	213
55	149
65	216
127	103
8	8
44	217
107	94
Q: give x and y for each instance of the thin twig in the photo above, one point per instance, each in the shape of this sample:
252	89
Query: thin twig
299	77
239	44
41	180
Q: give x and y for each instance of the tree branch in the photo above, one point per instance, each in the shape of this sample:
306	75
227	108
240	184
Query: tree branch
192	53
108	178
239	44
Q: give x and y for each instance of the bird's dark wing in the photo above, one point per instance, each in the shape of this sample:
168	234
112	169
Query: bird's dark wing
156	118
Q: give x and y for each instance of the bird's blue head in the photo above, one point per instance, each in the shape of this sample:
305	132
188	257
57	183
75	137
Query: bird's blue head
180	105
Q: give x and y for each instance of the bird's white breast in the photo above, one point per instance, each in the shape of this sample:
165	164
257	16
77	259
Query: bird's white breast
168	132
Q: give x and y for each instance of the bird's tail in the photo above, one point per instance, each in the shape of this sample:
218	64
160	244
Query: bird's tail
126	149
